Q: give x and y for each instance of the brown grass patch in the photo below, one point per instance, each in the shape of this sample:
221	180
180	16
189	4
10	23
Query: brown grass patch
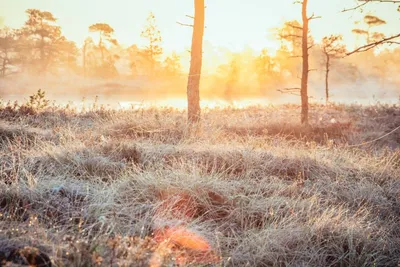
129	187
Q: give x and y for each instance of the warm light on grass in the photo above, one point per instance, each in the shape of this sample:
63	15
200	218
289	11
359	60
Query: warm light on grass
250	187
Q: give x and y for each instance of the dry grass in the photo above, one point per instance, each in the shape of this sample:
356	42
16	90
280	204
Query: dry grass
108	188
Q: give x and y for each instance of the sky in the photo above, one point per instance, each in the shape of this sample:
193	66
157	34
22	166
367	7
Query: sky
233	24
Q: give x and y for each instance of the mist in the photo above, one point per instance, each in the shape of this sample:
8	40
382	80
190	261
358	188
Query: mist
352	81
104	70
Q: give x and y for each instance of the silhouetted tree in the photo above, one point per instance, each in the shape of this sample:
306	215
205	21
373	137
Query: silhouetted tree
66	54
172	65
86	45
285	66
153	50
264	68
332	48
134	59
106	68
196	59
232	78
305	70
44	40
291	32
8	49
105	34
306	45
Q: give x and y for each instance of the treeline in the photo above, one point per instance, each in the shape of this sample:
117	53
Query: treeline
329	61
39	47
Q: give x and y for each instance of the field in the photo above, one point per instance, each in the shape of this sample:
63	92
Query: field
247	187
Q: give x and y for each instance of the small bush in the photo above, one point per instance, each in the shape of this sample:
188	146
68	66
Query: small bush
36	103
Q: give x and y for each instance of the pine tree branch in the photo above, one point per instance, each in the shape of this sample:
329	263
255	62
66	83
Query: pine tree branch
381	1
184	24
294	26
354	8
290	35
290	91
311	46
369	1
314	17
370	46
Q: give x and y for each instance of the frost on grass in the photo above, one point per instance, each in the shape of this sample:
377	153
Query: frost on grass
138	188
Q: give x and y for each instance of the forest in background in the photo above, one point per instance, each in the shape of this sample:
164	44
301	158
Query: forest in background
38	55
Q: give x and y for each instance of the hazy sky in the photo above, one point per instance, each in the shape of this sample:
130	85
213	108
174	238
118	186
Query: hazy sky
230	23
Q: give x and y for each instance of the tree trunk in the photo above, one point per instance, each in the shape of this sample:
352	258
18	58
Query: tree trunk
42	57
152	62
42	44
3	70
193	93
327	65
84	60
5	62
304	76
101	49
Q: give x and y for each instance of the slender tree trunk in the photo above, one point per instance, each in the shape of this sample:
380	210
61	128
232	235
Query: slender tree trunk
5	61
151	61
42	44
101	49
193	92
327	65
3	70
42	57
304	76
84	60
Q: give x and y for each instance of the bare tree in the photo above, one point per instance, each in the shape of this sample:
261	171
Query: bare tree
332	48
193	92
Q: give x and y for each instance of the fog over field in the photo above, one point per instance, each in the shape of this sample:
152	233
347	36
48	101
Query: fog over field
200	133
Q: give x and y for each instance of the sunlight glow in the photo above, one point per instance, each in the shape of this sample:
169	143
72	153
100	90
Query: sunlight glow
181	103
244	24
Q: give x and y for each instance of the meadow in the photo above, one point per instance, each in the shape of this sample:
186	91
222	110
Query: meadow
247	187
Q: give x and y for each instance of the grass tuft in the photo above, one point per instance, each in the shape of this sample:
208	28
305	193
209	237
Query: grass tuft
134	188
